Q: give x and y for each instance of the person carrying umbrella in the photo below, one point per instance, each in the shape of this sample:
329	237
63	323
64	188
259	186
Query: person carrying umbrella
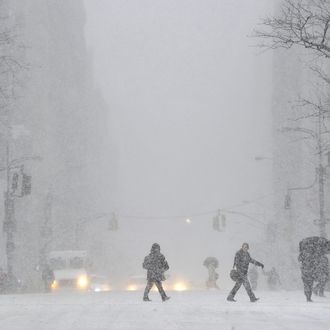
211	263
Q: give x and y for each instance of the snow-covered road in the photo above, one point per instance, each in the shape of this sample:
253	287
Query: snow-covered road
202	310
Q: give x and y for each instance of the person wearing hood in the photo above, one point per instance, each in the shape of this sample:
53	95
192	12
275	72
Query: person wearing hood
241	263
156	265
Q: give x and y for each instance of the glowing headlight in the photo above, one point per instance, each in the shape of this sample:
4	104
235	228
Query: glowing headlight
180	286
82	282
106	288
131	287
54	285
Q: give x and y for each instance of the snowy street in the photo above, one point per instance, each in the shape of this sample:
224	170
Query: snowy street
194	310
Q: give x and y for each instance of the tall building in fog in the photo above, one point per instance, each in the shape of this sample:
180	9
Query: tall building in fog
62	119
295	159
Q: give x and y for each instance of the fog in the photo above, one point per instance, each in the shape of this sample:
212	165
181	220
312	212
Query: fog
172	145
189	108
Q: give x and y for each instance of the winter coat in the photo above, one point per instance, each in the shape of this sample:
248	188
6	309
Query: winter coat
312	257
242	261
322	269
156	265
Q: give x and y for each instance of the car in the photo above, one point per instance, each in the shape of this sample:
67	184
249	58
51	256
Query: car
99	283
70	268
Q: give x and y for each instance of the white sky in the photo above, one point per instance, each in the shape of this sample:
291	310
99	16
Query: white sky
189	108
189	101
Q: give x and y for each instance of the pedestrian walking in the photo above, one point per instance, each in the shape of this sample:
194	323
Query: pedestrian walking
241	264
211	263
311	253
156	265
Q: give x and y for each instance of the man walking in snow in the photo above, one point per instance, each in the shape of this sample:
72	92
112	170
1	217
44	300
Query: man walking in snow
312	251
241	263
156	265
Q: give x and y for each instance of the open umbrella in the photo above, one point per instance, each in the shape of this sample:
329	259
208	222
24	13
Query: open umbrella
211	261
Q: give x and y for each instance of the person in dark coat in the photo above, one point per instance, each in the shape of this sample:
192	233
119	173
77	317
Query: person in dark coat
322	276
311	252
47	277
156	265
241	263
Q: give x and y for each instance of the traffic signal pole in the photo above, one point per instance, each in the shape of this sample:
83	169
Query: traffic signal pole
9	223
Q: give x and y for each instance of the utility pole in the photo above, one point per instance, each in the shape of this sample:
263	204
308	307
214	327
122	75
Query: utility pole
9	223
321	173
320	170
46	231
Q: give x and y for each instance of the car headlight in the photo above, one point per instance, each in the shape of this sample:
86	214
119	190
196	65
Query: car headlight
82	282
131	287
54	285
180	286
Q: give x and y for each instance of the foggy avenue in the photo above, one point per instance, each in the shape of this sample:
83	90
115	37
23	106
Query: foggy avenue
164	164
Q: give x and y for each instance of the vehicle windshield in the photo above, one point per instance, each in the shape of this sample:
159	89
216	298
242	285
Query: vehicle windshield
76	262
67	260
57	263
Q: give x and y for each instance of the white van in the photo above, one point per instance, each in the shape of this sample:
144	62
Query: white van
70	269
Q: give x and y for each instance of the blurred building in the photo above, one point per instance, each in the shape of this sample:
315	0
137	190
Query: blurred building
62	119
295	160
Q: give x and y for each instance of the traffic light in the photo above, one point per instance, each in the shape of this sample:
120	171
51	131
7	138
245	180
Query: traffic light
219	222
287	201
216	223
14	182
223	221
113	223
20	183
26	184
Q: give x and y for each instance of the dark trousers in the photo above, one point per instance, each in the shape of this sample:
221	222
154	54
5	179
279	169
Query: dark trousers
320	286
308	281
242	280
159	287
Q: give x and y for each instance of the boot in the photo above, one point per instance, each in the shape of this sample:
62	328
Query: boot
165	298
229	298
146	299
254	299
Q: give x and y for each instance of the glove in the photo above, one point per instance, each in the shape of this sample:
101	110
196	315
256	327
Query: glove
260	264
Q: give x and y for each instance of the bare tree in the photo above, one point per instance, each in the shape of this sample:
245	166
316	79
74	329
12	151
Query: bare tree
11	63
302	23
